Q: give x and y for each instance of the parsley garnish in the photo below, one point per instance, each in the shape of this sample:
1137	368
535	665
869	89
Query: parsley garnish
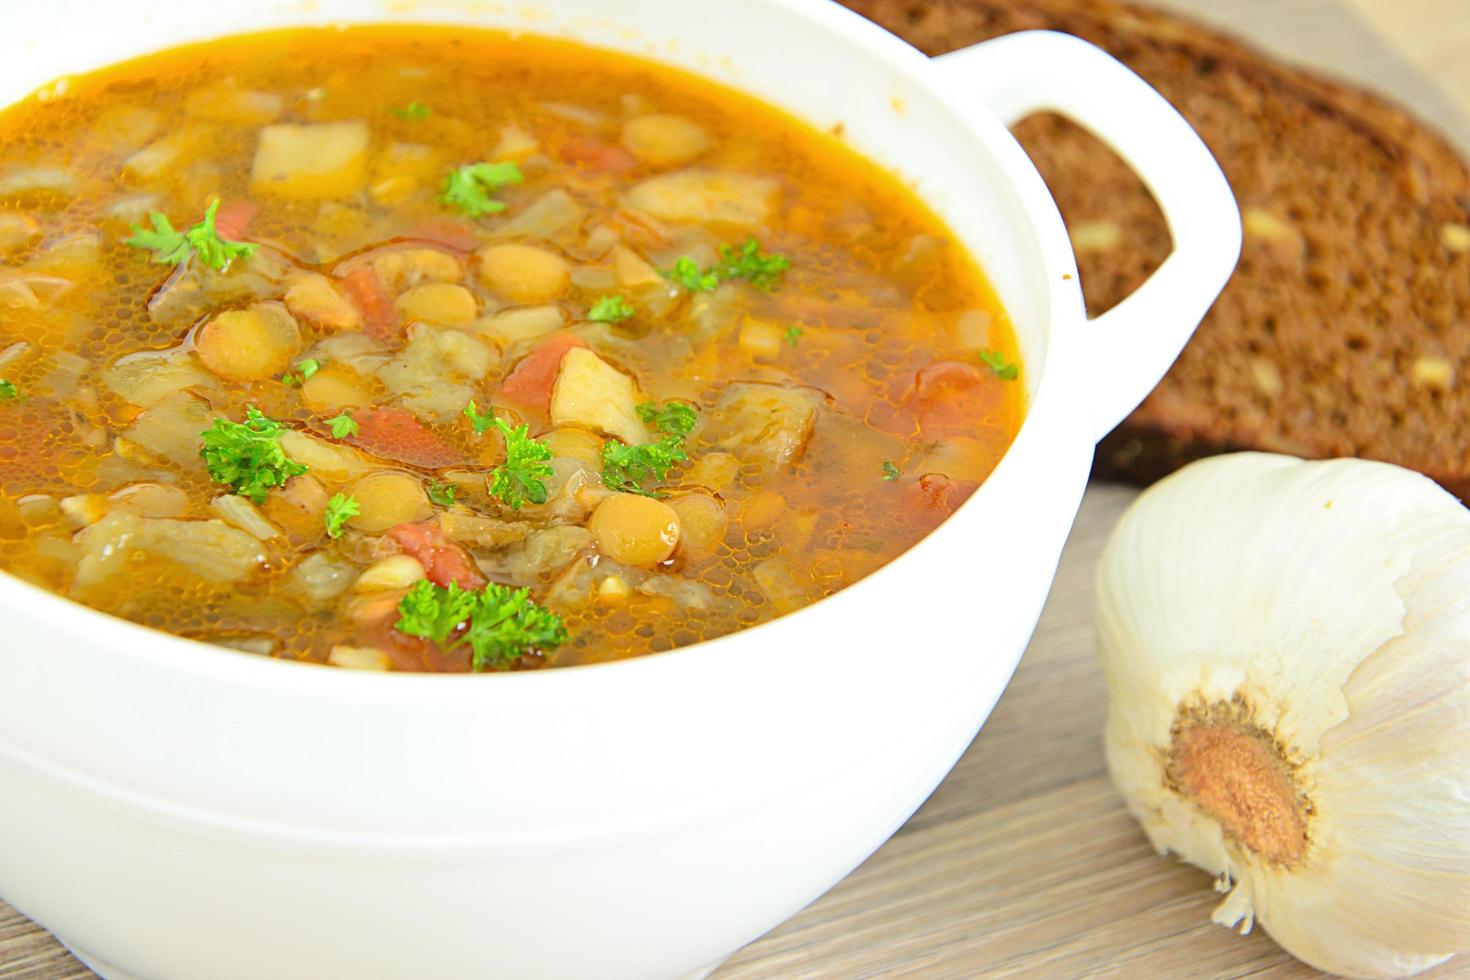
340	509
891	472
674	418
443	493
173	247
414	110
762	269
523	475
469	188
500	624
433	612
247	456
687	274
626	467
304	370
343	426
793	335
610	309
479	421
1004	370
8	391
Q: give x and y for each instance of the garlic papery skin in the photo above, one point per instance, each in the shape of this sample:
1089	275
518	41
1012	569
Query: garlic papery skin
1287	651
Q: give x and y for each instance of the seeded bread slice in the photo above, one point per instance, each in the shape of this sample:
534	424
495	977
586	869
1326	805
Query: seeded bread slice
1346	328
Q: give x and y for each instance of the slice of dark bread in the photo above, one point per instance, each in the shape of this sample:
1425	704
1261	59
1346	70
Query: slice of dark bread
1346	328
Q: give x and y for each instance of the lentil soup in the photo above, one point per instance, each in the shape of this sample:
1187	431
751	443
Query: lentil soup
424	349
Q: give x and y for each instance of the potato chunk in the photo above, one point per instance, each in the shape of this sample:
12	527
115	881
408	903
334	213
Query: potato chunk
767	424
438	302
172	428
707	196
524	273
592	393
665	140
322	160
211	549
312	297
436	371
251	344
148	377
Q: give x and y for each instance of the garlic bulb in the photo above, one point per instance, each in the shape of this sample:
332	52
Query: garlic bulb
1287	651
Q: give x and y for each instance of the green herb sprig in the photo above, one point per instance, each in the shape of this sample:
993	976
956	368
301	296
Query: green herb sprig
172	247
500	624
469	188
247	456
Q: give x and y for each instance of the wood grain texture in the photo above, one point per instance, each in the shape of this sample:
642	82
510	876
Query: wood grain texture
1024	863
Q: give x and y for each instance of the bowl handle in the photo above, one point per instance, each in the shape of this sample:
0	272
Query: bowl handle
1130	347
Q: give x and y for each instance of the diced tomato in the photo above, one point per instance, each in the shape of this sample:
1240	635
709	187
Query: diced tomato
369	296
935	496
951	397
529	382
393	433
443	560
233	217
597	155
413	653
446	231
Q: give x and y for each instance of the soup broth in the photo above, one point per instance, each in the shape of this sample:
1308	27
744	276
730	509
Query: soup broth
439	350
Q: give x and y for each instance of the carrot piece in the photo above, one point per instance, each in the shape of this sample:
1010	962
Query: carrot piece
233	218
443	560
953	397
530	381
601	157
368	295
394	433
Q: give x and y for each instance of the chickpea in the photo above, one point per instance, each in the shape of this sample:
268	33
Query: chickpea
251	344
578	444
388	499
702	523
524	273
438	302
635	530
665	140
335	387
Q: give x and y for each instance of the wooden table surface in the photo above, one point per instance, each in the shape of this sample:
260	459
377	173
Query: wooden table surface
1024	863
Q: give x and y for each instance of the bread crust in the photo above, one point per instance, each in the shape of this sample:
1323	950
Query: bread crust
1345	330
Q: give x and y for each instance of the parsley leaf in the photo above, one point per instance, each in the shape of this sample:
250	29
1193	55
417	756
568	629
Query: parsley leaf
891	472
343	426
610	309
479	421
522	476
340	509
762	269
793	335
443	493
626	467
414	110
687	274
247	456
8	391
304	370
499	623
433	612
469	188
674	418
1004	370
173	247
